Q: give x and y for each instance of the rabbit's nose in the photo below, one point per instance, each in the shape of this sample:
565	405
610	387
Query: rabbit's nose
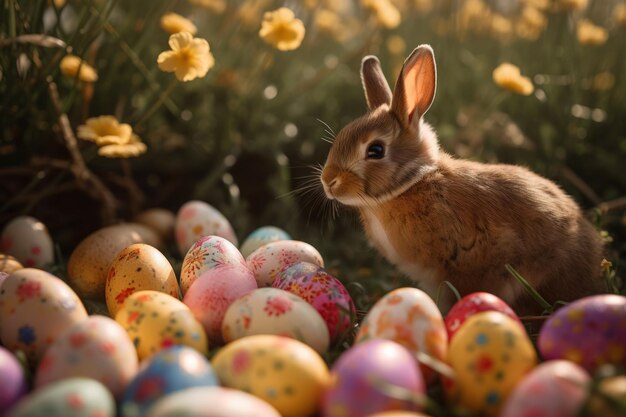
334	182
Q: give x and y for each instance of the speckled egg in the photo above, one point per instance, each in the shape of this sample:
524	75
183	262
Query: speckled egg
12	380
28	240
138	267
286	373
168	371
155	321
553	389
362	374
209	252
410	317
212	402
489	354
36	307
98	348
213	292
89	263
590	332
196	219
262	236
160	220
277	312
268	260
475	303
323	291
73	397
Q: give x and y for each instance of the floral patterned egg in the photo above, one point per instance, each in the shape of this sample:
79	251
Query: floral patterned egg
213	292
196	219
28	240
360	375
262	236
489	354
589	332
170	370
475	303
209	252
410	317
73	397
98	348
268	260
278	312
138	267
286	373
323	291
155	321
12	380
35	307
89	263
212	402
553	389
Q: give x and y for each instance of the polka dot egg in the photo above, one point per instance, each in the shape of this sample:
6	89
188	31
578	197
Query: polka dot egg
28	240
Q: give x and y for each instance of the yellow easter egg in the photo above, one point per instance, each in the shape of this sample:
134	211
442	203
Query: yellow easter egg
490	354
138	267
155	320
286	373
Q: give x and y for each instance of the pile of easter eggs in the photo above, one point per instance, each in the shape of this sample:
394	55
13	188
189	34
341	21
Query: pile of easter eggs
255	329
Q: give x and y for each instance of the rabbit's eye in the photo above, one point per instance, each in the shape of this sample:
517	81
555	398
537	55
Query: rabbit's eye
375	151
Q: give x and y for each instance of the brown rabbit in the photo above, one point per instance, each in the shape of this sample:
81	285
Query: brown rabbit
438	218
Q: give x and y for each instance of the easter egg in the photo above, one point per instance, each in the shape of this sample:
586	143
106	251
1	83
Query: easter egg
213	292
36	307
268	260
97	348
286	373
323	291
73	397
196	219
397	414
88	265
170	370
277	312
138	267
212	402
12	380
475	303
28	240
410	317
161	221
553	389
490	354
209	252
262	236
608	399
589	332
155	321
9	264
361	375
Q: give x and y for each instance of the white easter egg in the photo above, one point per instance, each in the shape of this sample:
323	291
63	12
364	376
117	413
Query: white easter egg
196	219
28	240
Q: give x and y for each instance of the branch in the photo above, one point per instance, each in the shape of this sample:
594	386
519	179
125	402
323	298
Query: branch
582	186
617	204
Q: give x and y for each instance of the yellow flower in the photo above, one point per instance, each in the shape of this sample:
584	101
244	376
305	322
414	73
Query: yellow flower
386	13
71	65
619	14
508	76
281	29
58	3
531	24
134	147
572	4
174	23
590	34
105	130
216	6
190	57
501	27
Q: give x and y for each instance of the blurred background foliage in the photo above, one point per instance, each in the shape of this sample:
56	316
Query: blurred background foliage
243	137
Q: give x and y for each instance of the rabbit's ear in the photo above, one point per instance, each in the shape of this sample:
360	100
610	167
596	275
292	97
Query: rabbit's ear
377	91
415	88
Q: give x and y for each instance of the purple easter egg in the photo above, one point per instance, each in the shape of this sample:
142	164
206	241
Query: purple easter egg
12	380
589	332
363	377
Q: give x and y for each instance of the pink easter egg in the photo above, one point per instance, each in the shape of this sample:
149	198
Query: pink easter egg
213	292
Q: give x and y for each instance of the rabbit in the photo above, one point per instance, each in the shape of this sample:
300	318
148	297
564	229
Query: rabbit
438	218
